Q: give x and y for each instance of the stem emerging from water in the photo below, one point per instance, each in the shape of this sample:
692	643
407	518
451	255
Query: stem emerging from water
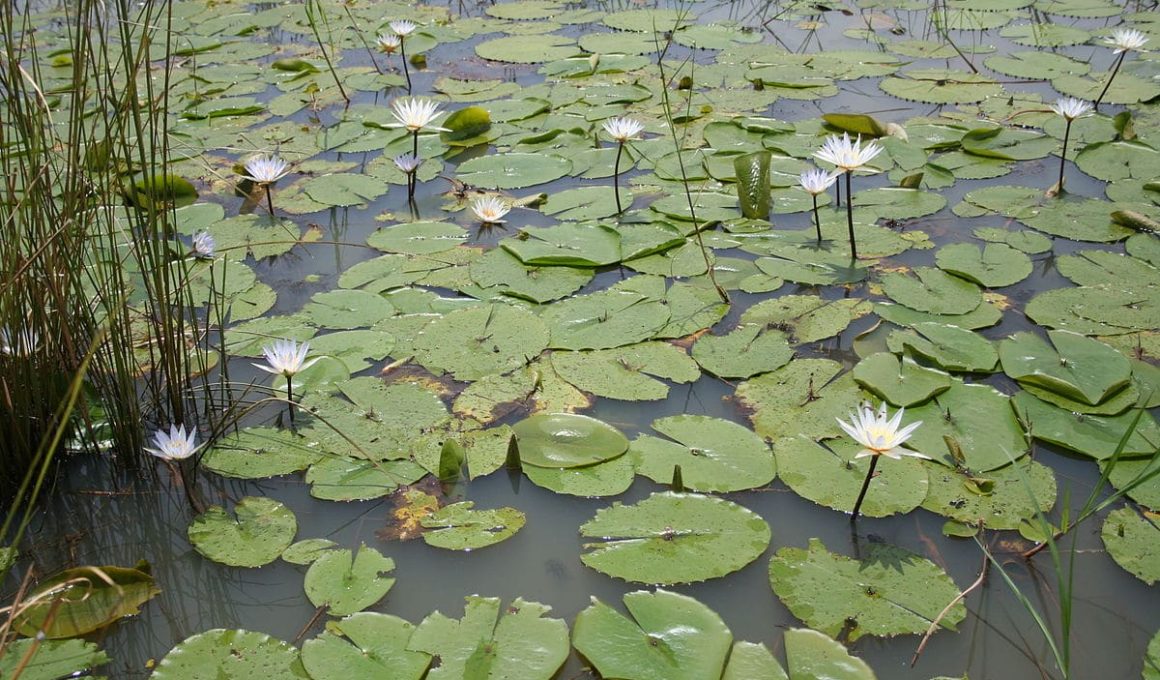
873	459
1115	70
1063	156
853	250
817	220
616	177
403	55
290	398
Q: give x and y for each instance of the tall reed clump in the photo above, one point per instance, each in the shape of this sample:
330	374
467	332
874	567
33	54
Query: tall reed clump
91	269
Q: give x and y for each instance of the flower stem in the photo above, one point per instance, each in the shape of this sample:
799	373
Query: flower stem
403	56
1063	155
412	177
817	220
1115	70
850	218
269	197
873	463
290	398
616	177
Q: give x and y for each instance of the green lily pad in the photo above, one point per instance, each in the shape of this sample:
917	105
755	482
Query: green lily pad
902	383
933	291
222	654
1133	541
993	266
673	538
802	397
347	582
753	661
51	659
527	49
1089	310
1099	267
610	478
574	245
1077	367
1112	161
632	373
830	476
307	550
356	349
364	645
940	86
263	529
255	453
566	440
978	418
889	591
982	316
693	307
1127	471
500	270
339	478
1094	436
1029	242
513	170
459	527
605	319
347	309
1014	494
810	654
715	455
670	637
744	352
81	600
951	348
1036	65
493	642
1152	659
344	189
418	238
473	342
1078	219
805	318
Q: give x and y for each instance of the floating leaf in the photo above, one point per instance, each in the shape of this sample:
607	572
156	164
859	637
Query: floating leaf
1077	367
263	529
83	599
940	86
222	654
993	266
715	455
610	478
934	291
565	440
307	550
674	538
527	49
673	637
501	270
459	527
418	238
605	319
902	383
259	452
575	245
346	583
805	318
810	654
744	352
338	478
627	372
1018	493
1091	435
949	347
513	170
802	397
474	342
344	189
979	418
50	659
490	642
364	645
1133	541
889	591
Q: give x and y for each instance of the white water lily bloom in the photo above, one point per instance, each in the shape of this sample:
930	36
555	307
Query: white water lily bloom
403	28
1071	108
408	163
389	42
203	246
845	154
415	114
177	444
286	357
880	436
816	181
266	169
1124	39
490	209
623	129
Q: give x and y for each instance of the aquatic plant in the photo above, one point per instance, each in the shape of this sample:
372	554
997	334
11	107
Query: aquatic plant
414	114
287	358
177	444
403	29
879	436
848	157
1124	40
265	171
1070	109
408	163
816	182
621	130
490	209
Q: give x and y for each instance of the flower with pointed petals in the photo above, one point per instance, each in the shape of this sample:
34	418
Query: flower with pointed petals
880	436
816	181
203	246
623	129
490	209
415	114
1071	108
403	28
845	154
177	444
266	169
1125	39
407	163
389	42
286	357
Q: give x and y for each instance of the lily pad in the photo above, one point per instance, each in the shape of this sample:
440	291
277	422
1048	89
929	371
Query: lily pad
1133	541
344	189
805	318
263	529
516	641
632	373
674	538
566	440
940	86
901	383
474	342
605	319
810	654
255	453
1073	366
1000	499
1094	436
992	266
513	170
501	270
459	527
346	583
81	600
51	659
222	654
744	352
978	418
364	645
575	245
802	397
951	348
931	290
418	238
715	455
339	478
889	591
527	49
670	637
610	478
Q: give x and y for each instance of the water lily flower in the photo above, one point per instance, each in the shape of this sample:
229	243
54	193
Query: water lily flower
408	164
415	113
177	444
621	130
389	42
287	358
879	436
848	156
1126	39
1070	108
403	27
816	182
266	170
203	246
490	209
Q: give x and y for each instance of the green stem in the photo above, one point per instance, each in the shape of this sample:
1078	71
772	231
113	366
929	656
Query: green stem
1115	70
873	459
1063	156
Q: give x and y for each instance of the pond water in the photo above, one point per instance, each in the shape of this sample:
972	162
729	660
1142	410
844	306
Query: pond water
892	60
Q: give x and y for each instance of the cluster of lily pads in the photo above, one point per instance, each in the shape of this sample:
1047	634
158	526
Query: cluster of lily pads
484	352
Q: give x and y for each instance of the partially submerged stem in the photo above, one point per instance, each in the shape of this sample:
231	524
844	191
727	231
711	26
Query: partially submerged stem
865	483
1063	155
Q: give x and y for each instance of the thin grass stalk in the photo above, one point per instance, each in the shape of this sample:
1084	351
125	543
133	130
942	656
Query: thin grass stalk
312	11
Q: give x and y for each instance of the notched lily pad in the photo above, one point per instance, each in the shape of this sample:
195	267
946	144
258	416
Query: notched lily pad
715	455
346	582
231	654
1133	540
566	440
459	527
263	529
